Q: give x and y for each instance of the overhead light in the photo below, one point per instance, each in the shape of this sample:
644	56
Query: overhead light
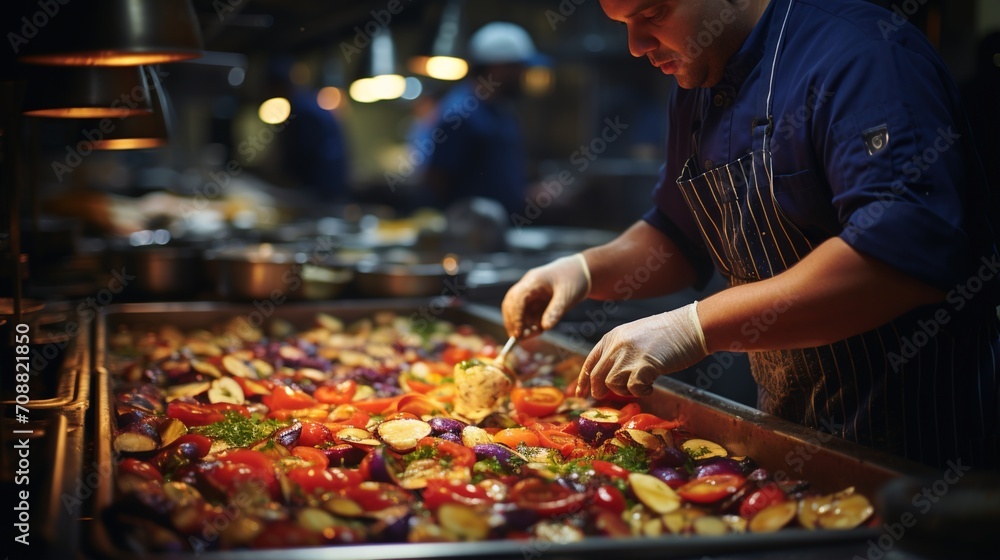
380	81
275	110
141	131
116	33
439	53
86	92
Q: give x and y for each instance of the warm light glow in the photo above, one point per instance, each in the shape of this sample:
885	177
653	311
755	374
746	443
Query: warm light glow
274	110
386	86
129	143
446	68
329	98
89	112
537	80
389	86
363	91
108	58
450	264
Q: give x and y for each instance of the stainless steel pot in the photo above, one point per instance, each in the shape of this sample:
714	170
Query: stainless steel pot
273	272
412	274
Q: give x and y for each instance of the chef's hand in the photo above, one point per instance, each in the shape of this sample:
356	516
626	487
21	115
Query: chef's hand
544	294
630	358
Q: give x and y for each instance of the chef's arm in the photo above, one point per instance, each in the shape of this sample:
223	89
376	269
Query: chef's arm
641	262
832	293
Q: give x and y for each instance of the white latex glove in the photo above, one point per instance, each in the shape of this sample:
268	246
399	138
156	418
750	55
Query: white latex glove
630	358
544	294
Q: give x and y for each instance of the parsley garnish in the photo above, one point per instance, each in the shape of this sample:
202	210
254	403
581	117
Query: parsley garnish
238	430
632	458
422	452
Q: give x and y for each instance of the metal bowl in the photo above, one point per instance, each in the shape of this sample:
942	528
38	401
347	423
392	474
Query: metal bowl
273	273
412	274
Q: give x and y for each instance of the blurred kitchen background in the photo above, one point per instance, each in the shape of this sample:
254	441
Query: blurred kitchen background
225	209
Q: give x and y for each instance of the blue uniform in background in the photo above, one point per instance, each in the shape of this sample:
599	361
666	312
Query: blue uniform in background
483	152
834	119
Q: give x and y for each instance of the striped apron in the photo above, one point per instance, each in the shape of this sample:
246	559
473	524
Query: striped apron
913	387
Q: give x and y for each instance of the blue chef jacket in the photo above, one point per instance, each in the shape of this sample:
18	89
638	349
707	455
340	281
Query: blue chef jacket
869	144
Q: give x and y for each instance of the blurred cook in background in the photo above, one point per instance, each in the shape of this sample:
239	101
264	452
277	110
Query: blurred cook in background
313	148
477	146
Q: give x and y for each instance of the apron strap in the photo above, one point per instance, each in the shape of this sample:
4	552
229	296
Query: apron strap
763	124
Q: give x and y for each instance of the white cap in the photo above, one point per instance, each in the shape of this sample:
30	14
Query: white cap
500	42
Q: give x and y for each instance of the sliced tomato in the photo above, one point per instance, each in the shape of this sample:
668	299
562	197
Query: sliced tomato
454	354
138	468
609	469
313	479
315	457
459	455
711	489
646	422
627	412
419	405
415	384
284	398
609	498
349	415
341	393
546	498
230	407
242	468
537	401
376	496
512	437
252	387
765	496
383	406
441	491
561	441
193	414
314	434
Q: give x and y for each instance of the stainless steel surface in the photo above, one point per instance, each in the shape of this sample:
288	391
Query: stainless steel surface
829	464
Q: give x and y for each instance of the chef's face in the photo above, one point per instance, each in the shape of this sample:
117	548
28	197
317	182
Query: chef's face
690	39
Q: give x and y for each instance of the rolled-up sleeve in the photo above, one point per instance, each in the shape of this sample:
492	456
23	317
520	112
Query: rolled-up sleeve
893	158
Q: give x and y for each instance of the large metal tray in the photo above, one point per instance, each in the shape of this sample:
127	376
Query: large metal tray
828	463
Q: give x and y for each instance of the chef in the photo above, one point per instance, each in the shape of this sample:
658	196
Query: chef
818	159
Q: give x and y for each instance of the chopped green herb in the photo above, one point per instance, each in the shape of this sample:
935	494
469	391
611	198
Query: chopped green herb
422	452
559	382
632	458
473	362
238	430
489	465
699	453
599	414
